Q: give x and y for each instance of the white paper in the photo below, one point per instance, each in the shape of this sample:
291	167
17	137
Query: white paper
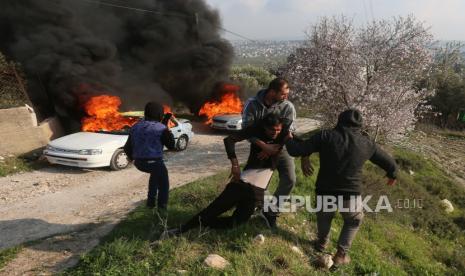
257	177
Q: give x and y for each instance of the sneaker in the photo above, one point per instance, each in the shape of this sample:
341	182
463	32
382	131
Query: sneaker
270	219
341	258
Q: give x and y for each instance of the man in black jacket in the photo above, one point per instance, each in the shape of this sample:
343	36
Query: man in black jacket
343	151
246	189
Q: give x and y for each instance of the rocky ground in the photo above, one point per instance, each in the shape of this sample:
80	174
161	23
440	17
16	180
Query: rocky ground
445	149
58	213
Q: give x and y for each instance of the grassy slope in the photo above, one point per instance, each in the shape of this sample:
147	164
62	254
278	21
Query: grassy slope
12	165
407	241
8	255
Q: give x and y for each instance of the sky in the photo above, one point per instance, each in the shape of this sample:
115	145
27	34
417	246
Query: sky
288	19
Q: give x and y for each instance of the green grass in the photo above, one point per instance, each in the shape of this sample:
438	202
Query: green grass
8	255
406	242
13	164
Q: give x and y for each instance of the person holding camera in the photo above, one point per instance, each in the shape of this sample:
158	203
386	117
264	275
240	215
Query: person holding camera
145	144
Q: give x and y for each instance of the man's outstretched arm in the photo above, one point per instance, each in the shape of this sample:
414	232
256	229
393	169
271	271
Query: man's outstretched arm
297	147
386	162
128	147
167	139
230	147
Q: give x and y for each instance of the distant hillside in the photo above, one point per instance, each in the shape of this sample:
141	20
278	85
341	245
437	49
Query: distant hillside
262	52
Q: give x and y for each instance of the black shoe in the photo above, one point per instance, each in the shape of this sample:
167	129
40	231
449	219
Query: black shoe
270	219
320	246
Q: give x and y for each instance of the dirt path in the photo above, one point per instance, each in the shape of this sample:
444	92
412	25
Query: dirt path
67	210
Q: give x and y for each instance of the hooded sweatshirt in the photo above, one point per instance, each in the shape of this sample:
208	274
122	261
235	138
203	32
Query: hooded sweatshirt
343	151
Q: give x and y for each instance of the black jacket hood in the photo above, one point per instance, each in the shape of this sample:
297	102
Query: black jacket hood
350	118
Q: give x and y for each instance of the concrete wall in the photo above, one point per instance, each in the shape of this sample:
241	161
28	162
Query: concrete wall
20	133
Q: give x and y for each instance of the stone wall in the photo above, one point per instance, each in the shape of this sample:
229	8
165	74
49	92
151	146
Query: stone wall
20	133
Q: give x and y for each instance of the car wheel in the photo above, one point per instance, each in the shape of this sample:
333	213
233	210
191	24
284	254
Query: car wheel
119	160
182	142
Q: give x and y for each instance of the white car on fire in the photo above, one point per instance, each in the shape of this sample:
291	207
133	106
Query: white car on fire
227	121
102	149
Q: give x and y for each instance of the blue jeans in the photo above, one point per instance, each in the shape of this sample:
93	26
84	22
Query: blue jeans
158	182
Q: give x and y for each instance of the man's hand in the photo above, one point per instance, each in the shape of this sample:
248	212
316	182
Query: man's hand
263	155
391	182
166	118
273	149
306	166
270	149
235	172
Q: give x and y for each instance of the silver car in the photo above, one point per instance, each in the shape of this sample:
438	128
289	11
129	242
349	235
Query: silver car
227	121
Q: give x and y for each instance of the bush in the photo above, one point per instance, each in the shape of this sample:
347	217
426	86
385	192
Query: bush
11	94
251	78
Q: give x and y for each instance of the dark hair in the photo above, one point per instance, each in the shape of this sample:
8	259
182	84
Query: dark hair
277	84
271	120
153	111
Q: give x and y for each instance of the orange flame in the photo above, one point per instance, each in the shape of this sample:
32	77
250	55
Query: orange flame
167	109
229	103
104	116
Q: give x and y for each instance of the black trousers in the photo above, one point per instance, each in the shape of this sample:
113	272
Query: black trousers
158	182
243	196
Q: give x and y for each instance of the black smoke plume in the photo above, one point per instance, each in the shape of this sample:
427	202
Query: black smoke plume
165	50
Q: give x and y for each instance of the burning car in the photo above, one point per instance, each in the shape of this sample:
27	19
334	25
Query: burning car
101	145
228	121
225	113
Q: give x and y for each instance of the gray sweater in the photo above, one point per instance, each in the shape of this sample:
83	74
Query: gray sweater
255	110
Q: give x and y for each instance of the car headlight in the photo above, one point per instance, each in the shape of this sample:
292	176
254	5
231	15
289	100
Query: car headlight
90	152
48	147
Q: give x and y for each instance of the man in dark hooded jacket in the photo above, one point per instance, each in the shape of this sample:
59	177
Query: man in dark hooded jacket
343	151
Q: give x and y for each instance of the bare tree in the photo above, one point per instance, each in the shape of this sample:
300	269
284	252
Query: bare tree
372	68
